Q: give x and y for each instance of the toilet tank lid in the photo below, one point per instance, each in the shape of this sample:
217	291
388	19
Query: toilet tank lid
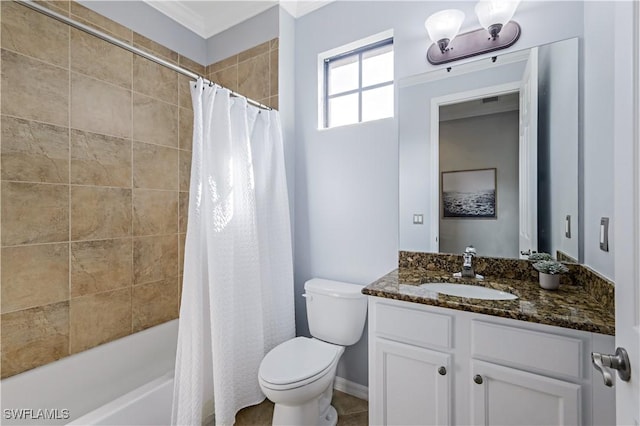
333	288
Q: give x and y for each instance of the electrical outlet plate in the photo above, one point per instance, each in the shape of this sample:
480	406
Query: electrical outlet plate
604	234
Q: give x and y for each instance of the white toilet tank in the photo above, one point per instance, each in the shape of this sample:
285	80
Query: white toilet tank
336	311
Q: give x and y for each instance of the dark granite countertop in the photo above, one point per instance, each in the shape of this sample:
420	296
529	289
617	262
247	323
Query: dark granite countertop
571	306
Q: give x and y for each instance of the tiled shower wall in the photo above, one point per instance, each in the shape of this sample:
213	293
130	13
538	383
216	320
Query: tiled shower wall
254	73
95	153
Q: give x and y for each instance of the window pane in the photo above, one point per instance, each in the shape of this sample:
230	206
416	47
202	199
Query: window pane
377	66
377	103
343	110
343	75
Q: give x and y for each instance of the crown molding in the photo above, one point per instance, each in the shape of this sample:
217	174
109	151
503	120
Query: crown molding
183	15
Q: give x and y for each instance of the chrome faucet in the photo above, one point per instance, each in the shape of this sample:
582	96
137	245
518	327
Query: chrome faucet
467	266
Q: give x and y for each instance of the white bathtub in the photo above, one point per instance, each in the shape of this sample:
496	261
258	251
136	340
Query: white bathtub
127	381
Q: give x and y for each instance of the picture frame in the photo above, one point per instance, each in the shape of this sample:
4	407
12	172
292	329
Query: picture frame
469	194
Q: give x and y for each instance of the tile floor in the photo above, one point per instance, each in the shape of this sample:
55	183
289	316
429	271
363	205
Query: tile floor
352	411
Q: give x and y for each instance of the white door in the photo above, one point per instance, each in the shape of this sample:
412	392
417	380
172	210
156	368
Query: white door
528	152
506	396
626	224
413	385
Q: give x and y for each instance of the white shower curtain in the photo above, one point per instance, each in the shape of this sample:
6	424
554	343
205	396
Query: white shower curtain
237	297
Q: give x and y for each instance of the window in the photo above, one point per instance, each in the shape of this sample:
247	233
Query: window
358	85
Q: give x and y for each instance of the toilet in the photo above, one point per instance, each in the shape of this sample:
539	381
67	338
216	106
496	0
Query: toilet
297	375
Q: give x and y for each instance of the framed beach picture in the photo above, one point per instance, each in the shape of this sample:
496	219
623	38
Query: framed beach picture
469	194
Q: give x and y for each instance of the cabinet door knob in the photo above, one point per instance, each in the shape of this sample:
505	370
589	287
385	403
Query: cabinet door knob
478	379
442	371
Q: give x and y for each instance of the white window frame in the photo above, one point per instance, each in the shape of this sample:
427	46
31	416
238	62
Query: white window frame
356	48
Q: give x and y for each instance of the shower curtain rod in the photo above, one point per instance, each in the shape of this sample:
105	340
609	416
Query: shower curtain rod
106	37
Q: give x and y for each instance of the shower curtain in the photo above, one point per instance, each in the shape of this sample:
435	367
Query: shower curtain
237	297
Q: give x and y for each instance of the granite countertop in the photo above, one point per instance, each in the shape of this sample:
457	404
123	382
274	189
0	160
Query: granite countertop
570	306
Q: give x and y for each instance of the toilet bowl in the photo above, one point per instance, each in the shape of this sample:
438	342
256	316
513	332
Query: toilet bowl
298	375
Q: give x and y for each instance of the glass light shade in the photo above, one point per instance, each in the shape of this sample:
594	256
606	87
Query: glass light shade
492	12
444	24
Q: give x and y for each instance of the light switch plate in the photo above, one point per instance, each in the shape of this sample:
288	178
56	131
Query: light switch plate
418	219
567	226
604	234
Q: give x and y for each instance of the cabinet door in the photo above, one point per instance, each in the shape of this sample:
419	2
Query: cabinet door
506	396
412	385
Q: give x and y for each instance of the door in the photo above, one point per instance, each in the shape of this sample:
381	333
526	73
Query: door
506	396
626	225
413	385
528	152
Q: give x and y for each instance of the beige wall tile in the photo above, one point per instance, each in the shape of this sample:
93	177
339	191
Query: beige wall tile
155	48
185	170
273	102
34	337
253	77
225	63
97	20
100	213
100	107
184	211
227	77
155	212
192	66
182	239
254	51
155	80
186	128
98	266
34	275
34	34
99	318
100	160
154	303
273	72
155	258
60	6
34	152
275	43
155	167
34	213
155	121
99	59
184	92
41	94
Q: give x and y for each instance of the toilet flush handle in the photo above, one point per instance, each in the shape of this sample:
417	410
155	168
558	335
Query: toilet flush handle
307	296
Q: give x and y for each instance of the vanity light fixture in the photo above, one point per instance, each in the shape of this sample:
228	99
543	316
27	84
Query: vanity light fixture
498	31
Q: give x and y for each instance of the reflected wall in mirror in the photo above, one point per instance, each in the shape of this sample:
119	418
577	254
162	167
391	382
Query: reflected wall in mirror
518	115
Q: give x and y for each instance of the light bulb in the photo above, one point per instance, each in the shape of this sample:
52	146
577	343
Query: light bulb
443	26
494	14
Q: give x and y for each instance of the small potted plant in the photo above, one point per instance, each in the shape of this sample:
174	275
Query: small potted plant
538	257
550	271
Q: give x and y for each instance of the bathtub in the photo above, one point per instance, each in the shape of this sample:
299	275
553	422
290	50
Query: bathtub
127	381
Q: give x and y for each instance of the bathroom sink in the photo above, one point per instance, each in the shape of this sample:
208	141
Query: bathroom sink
470	291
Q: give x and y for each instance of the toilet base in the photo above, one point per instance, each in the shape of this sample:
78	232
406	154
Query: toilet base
318	411
306	414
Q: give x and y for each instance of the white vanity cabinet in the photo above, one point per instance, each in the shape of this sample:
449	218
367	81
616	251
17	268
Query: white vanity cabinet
438	366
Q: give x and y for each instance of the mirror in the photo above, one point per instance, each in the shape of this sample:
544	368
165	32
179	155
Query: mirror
489	155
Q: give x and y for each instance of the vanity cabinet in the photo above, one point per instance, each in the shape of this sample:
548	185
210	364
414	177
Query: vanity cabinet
438	366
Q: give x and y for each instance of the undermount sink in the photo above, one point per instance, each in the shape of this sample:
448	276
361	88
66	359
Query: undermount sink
470	291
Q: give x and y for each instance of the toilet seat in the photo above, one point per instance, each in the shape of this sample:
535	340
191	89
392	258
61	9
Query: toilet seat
298	362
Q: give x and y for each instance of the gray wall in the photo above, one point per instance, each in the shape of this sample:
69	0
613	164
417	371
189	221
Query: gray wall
598	131
252	32
347	178
487	141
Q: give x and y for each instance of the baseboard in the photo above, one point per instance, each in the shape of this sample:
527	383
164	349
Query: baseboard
351	388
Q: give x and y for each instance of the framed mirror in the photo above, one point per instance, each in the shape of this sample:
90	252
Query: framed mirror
517	116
